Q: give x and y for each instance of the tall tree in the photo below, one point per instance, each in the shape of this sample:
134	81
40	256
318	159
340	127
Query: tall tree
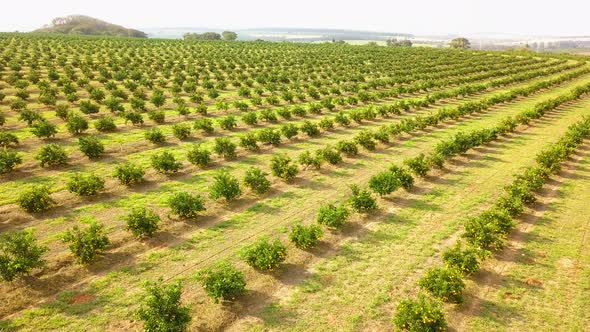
229	35
462	43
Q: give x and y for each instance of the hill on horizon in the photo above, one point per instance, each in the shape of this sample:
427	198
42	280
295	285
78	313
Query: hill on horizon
86	25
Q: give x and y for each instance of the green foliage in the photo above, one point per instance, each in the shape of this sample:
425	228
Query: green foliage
35	199
365	139
332	216
223	282
464	260
269	136
181	131
228	122
91	146
225	185
158	116
249	141
142	222
384	183
186	205
129	174
19	254
76	124
43	129
155	136
347	147
444	283
85	184
106	124
282	167
421	315
306	159
289	130
52	155
488	230
403	176
9	160
6	139
87	244
161	309
165	162
305	237
225	147
256	180
418	165
204	124
309	128
264	254
329	154
199	156
361	200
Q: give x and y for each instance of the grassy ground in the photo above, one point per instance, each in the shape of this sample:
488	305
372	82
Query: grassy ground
541	281
415	227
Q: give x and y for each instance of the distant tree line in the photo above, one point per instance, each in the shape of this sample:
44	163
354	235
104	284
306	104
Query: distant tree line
393	42
226	35
462	43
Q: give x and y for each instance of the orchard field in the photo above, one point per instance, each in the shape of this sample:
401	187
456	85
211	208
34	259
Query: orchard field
287	186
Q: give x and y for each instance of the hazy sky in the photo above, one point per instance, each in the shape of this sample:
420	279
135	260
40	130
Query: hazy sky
539	17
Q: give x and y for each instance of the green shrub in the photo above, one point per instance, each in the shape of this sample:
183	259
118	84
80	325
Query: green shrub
142	222
305	237
332	216
289	130
6	139
87	107
269	136
418	165
85	184
204	124
19	254
43	129
384	183
309	128
9	160
76	124
464	260
165	162
349	148
155	136
488	230
513	205
225	147
134	117
228	122
106	124
282	167
250	118
30	116
403	176
365	139
306	159
265	255
330	155
186	205
256	180
225	185
91	146
35	199
158	116
199	156
87	244
249	141
162	310
444	283
181	131
223	282
52	155
421	315
361	200
129	173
